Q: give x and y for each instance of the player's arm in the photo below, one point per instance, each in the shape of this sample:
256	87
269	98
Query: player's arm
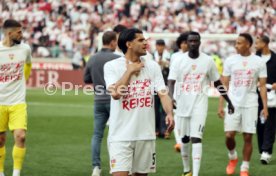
225	82
263	93
118	89
27	70
166	102
28	64
171	85
223	92
87	76
172	80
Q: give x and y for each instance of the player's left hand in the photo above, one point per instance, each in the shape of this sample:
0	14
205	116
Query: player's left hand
231	108
169	122
264	113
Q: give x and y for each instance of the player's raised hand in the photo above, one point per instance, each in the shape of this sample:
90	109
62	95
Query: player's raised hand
169	123
221	112
134	68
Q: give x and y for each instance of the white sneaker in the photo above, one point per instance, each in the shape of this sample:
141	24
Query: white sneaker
265	158
96	171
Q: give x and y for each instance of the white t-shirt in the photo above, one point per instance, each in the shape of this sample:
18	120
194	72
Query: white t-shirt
12	80
118	52
175	56
193	78
132	116
266	57
244	73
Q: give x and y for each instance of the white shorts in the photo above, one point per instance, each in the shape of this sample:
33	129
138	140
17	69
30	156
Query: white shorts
133	156
191	126
243	120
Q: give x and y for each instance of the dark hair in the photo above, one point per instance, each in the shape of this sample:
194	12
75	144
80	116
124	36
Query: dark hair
127	36
119	28
160	42
108	37
182	38
194	33
11	23
247	37
264	39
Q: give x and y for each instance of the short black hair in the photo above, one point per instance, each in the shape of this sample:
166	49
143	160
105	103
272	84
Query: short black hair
247	37
108	37
127	36
11	23
160	42
264	38
194	33
182	38
119	28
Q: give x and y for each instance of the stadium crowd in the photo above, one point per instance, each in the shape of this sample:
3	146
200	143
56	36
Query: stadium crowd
56	28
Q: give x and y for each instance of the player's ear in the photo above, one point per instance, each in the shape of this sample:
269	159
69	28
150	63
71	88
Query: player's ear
128	44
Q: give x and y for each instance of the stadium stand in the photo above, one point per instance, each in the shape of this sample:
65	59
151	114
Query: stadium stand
56	28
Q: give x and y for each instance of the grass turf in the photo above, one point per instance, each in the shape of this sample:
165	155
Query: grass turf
59	136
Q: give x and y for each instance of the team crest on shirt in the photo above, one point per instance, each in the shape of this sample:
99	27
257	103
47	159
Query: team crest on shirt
193	67
244	63
11	56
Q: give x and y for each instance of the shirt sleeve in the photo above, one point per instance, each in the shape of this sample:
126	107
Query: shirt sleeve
263	70
29	55
213	73
173	70
158	80
226	68
87	77
109	75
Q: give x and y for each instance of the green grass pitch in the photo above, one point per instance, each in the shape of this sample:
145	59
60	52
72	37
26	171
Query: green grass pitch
59	136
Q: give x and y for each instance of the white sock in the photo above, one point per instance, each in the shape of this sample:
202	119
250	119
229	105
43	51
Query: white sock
232	154
185	154
2	174
196	153
245	166
16	172
175	131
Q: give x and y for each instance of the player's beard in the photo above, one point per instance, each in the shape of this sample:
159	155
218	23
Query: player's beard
17	42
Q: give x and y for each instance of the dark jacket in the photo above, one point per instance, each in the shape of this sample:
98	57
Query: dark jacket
271	72
94	74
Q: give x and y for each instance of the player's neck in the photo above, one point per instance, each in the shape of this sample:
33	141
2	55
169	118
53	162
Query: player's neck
193	54
8	43
246	53
132	57
266	51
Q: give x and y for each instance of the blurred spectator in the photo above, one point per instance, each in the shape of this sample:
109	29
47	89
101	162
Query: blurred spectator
162	57
118	29
55	50
78	61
